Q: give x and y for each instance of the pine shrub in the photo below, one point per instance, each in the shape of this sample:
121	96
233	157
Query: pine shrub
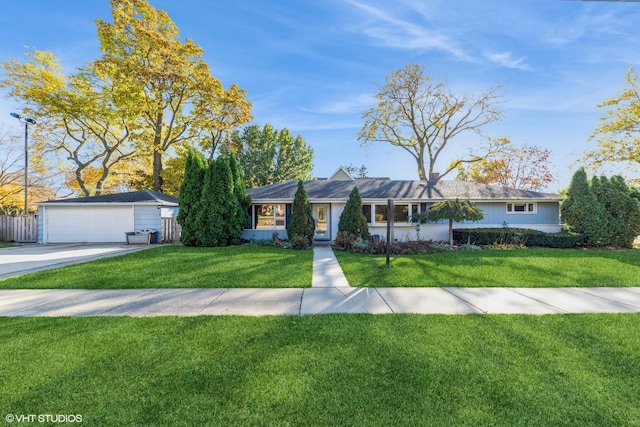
352	224
190	194
606	211
301	226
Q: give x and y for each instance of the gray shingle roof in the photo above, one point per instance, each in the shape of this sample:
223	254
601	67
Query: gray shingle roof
142	196
372	189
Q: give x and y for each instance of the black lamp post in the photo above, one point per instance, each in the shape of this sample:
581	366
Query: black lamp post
27	121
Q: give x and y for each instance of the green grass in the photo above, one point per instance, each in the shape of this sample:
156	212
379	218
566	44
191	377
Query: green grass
357	370
5	244
245	266
496	268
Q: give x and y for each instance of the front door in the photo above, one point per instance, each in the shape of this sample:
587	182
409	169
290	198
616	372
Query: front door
321	214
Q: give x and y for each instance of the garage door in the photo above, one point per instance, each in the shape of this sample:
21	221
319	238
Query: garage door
69	224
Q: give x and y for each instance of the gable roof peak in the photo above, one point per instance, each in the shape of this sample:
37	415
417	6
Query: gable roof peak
341	175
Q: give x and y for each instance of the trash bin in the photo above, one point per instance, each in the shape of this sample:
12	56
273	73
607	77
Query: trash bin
142	237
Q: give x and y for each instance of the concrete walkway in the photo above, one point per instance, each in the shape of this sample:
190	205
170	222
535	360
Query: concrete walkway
330	293
326	270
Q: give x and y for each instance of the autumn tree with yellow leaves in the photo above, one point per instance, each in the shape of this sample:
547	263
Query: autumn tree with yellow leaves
118	119
161	77
618	135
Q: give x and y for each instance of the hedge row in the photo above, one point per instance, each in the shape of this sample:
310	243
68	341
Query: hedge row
523	236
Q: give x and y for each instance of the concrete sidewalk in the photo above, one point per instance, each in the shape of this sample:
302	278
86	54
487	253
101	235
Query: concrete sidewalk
260	302
330	293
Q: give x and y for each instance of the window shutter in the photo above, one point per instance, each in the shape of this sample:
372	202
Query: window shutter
287	215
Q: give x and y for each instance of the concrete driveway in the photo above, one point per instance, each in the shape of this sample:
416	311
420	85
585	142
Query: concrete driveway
23	259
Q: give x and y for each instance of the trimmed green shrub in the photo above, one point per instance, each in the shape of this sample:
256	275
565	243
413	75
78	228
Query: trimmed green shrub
582	213
190	194
526	237
301	226
218	207
352	224
242	218
605	210
621	208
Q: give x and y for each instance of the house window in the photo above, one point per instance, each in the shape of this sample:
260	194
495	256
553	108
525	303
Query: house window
521	208
269	216
366	210
401	213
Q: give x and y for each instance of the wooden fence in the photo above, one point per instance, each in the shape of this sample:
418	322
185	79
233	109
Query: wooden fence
170	230
19	228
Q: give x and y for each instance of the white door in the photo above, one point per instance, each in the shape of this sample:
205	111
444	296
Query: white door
100	224
321	214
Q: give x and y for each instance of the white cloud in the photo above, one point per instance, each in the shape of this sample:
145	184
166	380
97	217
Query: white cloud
506	59
343	105
402	34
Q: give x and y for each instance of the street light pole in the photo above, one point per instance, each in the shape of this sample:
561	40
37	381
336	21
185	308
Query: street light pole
27	121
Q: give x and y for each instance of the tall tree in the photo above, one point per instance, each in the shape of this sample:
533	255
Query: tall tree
301	225
79	118
190	196
219	115
524	168
162	78
618	135
423	117
269	156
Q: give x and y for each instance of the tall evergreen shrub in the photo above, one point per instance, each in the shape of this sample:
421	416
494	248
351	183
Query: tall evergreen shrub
301	226
190	194
582	212
353	223
218	207
209	223
605	211
243	219
622	212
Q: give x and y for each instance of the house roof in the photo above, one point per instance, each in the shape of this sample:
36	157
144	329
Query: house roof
382	189
133	197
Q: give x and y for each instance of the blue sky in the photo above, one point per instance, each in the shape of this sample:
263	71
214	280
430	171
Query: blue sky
313	66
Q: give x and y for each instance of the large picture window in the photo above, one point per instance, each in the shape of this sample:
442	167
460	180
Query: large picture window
401	213
269	216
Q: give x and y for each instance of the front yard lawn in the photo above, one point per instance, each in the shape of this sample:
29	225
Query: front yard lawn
533	268
245	266
356	370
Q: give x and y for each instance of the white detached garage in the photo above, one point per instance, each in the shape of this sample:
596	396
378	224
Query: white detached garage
103	219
